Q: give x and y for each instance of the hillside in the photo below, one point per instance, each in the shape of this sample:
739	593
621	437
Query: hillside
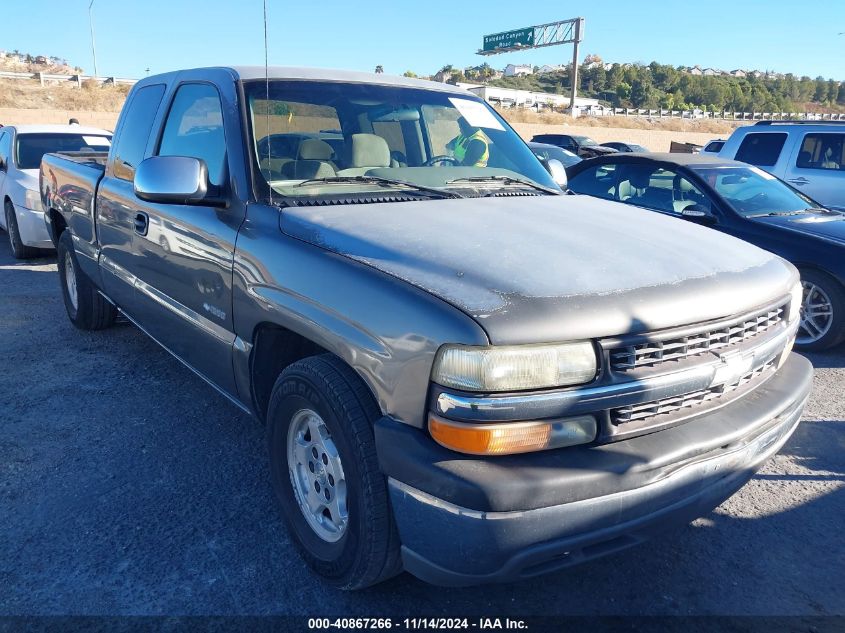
661	86
30	95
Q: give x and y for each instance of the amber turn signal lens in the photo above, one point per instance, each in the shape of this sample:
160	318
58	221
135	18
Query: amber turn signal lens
511	437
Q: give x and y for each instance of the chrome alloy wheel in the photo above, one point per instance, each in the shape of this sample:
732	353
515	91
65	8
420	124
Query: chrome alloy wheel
816	314
70	281
316	475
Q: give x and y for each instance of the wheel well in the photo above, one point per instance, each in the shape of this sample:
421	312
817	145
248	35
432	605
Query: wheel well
274	348
57	226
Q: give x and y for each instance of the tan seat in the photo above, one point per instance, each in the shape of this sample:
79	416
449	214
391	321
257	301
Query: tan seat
369	151
314	161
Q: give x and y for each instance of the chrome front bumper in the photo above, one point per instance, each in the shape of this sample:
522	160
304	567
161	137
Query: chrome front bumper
672	477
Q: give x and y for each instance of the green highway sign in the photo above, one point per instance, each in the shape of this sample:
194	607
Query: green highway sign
509	39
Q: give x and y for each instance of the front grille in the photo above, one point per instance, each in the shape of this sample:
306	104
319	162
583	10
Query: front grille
652	353
668	406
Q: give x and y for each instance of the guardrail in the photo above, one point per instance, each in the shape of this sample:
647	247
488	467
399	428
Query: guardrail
724	116
77	79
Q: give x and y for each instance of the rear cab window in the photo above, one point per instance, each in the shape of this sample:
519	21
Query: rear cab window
132	137
30	147
761	149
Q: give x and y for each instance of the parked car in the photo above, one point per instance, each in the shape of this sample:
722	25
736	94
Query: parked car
625	147
544	151
582	146
463	372
21	149
713	147
808	155
745	202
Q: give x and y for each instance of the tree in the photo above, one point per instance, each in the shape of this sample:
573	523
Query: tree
623	92
820	94
410	73
379	69
642	93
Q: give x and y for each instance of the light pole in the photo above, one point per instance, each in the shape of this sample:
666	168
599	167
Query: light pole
93	46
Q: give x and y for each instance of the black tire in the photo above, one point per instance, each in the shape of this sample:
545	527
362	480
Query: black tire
19	249
836	294
92	311
368	550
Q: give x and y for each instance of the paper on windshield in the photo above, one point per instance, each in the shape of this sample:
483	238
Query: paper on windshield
96	140
476	114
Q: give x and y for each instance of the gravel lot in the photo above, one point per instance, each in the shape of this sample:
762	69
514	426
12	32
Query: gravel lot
127	486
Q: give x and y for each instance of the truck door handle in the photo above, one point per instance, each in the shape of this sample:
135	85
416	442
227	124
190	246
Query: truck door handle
142	222
799	181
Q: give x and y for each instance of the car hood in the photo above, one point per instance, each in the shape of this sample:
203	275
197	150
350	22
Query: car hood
550	268
830	227
599	150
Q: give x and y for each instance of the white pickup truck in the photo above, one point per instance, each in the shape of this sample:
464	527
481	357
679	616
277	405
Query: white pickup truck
21	149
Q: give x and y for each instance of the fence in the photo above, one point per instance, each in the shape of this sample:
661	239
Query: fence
77	79
701	114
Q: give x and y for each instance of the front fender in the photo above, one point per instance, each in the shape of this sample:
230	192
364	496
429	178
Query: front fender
387	330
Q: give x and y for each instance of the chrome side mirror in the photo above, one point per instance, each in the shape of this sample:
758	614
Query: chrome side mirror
172	179
557	172
698	213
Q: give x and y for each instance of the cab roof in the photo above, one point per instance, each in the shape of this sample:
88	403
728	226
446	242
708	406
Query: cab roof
58	129
247	73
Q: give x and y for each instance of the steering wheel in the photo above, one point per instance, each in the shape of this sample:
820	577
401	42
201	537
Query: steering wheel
443	158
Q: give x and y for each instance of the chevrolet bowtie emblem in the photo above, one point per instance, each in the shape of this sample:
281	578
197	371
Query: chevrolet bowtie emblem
732	367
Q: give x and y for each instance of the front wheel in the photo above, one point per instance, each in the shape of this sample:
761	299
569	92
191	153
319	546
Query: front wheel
19	249
326	476
822	312
86	308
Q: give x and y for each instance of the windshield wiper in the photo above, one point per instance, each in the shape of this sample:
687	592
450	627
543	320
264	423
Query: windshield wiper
773	214
378	180
506	180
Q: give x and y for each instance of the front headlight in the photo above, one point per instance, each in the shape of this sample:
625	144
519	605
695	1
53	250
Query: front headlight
796	301
32	200
514	367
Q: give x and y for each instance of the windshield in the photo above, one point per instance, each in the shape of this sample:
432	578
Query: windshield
29	148
584	140
322	139
754	192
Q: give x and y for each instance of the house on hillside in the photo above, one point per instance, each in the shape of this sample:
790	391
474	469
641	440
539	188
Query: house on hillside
757	74
518	70
709	72
695	70
556	68
738	73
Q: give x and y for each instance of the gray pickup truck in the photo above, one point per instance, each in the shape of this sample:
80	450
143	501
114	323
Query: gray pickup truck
464	372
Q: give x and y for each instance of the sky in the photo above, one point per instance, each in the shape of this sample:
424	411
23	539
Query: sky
160	35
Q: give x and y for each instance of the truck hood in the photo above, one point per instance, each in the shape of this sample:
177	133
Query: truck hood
830	227
551	268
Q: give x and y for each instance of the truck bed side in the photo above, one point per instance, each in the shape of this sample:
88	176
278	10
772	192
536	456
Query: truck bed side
68	183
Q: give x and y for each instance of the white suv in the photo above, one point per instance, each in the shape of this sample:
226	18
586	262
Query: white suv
810	156
21	149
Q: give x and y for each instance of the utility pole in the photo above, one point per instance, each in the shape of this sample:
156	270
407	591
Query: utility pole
576	40
93	46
